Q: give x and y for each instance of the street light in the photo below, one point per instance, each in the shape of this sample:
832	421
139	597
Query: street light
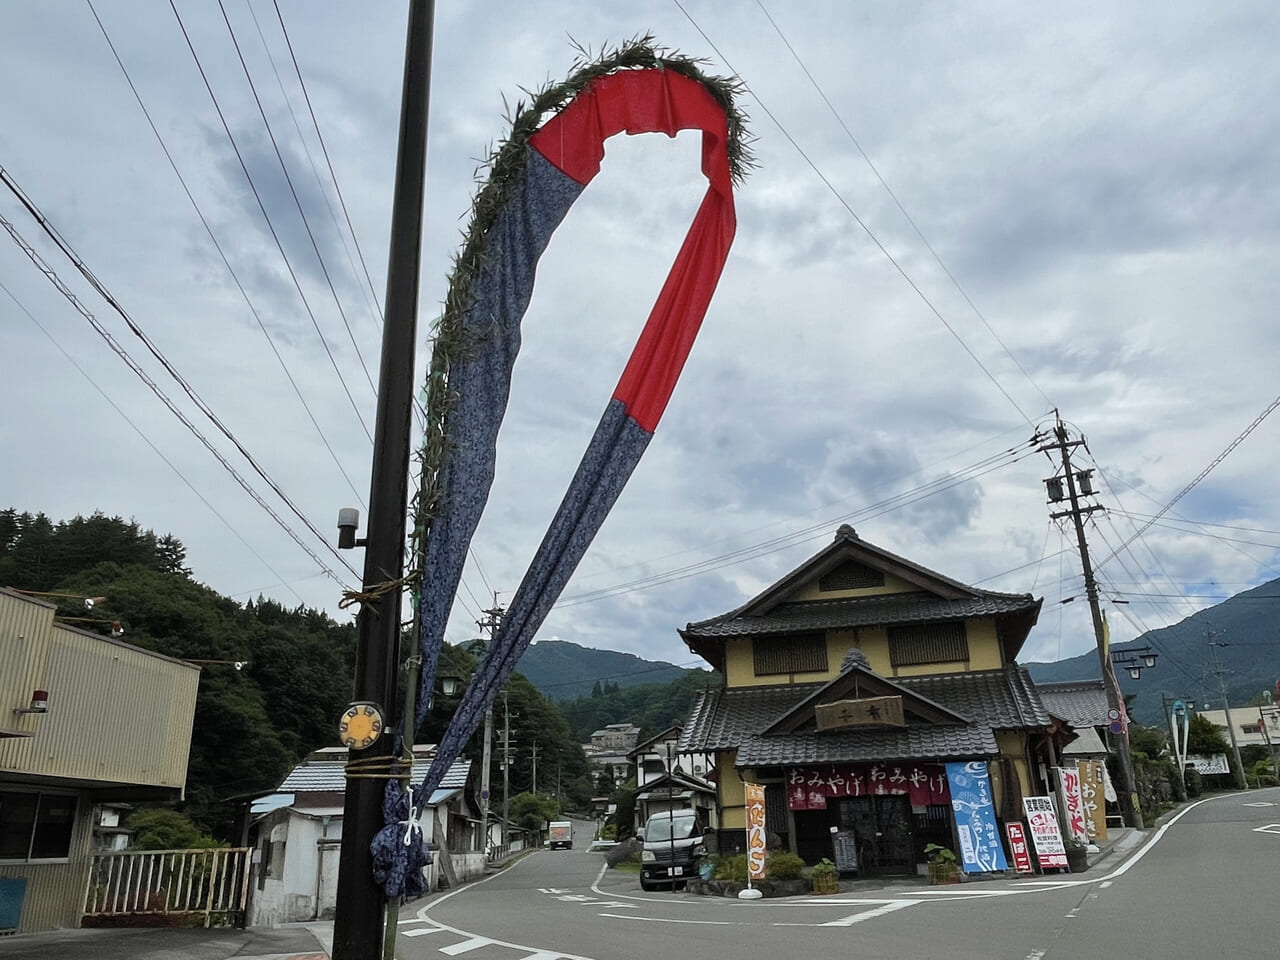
1135	660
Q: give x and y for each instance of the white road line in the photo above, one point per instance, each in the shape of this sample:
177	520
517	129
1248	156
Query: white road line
1269	828
707	923
543	955
466	946
892	907
421	932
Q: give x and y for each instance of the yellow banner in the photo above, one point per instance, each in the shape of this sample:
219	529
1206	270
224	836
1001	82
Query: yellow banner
755	831
1092	786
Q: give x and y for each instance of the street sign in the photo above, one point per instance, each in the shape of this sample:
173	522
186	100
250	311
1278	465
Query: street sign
869	711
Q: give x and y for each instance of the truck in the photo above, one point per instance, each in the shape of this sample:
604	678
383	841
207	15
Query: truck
561	834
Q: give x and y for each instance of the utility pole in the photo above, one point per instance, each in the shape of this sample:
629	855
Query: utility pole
1130	808
506	765
492	620
534	754
1220	672
358	920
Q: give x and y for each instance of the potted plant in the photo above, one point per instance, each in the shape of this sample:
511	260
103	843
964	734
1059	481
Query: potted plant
1077	854
942	864
825	877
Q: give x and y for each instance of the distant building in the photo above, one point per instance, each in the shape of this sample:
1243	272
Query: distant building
86	722
1255	726
609	747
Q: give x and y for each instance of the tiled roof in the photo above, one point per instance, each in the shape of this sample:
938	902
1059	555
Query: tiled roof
1082	703
728	719
893	608
326	776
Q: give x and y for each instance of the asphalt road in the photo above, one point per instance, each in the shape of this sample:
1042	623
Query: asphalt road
1204	885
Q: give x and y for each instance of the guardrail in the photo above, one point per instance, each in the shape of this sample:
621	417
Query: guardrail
169	883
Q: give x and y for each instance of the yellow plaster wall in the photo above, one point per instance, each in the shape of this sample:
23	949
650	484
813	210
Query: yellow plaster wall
984	654
1014	746
892	584
733	795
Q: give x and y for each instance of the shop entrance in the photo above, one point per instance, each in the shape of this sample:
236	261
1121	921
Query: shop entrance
882	833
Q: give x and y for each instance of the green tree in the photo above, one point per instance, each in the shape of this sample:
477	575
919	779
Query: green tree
532	811
161	829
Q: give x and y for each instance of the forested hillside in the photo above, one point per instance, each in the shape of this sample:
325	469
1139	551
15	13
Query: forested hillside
652	707
251	724
566	671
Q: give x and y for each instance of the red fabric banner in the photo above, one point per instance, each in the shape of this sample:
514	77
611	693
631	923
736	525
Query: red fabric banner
809	788
655	101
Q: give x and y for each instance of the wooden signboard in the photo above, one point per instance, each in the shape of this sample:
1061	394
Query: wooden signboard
870	712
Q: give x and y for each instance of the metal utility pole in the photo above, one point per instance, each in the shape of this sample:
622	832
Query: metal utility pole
1130	808
492	620
1220	672
534	754
358	920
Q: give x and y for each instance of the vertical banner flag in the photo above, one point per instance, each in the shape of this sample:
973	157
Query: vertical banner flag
980	847
1042	820
554	150
1092	791
1018	847
755	831
1072	804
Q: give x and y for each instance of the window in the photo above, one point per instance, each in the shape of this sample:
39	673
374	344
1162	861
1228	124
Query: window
850	576
921	643
785	655
36	826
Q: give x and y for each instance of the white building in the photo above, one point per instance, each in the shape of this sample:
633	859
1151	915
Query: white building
1255	726
299	833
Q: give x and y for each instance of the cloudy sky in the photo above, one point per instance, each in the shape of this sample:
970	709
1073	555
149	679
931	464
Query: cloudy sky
964	215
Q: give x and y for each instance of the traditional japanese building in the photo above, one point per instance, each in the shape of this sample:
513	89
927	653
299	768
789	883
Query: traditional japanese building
850	685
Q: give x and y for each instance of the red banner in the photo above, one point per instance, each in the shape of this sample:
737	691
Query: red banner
809	788
1018	847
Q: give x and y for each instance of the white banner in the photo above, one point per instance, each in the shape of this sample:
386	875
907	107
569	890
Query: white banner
1208	765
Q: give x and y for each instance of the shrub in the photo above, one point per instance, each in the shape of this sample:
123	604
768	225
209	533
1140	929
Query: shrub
824	868
784	866
732	868
1195	786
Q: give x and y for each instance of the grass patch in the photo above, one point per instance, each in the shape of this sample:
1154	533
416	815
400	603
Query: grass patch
628	866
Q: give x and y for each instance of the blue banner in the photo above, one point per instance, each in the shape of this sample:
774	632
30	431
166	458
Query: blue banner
980	847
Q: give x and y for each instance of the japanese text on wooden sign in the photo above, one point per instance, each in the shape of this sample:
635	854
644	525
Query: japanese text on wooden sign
1018	847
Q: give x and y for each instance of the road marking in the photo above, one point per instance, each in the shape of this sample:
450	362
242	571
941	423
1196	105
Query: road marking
466	946
891	907
1259	803
1104	884
1269	828
1036	954
421	932
543	955
551	890
632	916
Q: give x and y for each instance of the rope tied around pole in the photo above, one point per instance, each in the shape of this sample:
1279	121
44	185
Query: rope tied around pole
377	591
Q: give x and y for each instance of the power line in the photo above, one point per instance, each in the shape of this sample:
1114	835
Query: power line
858	220
147	440
225	260
898	203
1205	472
270	226
133	365
302	215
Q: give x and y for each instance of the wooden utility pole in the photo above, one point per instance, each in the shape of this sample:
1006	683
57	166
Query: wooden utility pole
1130	808
358	920
492	620
1220	672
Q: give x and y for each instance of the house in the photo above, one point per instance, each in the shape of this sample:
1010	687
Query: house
849	686
1083	705
1255	726
607	750
299	835
660	754
86	722
676	790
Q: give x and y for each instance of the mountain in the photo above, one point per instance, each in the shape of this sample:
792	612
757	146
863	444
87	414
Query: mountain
566	671
1245	632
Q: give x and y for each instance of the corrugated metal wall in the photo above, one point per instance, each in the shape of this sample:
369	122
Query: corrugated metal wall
55	891
25	627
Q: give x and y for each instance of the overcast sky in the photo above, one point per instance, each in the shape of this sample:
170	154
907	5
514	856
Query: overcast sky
1099	179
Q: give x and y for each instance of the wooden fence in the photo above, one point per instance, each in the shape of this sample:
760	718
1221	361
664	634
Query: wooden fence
212	883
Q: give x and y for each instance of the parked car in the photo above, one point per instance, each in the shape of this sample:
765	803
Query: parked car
672	849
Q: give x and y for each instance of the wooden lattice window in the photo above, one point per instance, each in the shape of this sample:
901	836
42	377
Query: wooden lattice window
850	575
921	643
806	653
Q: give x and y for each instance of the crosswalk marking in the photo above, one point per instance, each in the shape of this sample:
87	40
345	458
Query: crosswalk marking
466	946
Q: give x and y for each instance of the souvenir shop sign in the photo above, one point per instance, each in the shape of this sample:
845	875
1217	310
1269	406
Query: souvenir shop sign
1072	804
1018	847
809	788
1093	789
1042	821
980	848
756	835
868	712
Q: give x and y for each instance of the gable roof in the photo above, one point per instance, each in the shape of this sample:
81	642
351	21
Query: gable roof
743	718
1082	703
938	598
671	733
860	682
329	776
